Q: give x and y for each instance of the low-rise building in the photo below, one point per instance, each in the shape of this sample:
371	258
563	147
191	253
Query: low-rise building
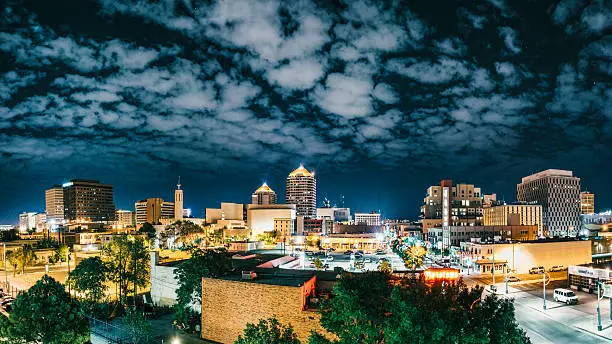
231	302
260	218
519	257
455	235
152	210
514	215
370	219
228	211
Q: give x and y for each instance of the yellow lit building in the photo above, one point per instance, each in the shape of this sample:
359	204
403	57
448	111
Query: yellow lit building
514	215
587	203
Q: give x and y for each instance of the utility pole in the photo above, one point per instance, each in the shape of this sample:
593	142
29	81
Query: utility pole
493	265
6	275
506	268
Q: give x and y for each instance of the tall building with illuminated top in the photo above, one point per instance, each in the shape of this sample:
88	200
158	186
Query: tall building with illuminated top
302	191
264	195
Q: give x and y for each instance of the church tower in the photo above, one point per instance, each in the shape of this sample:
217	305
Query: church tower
178	201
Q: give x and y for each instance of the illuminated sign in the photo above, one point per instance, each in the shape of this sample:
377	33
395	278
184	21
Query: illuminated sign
441	274
65	185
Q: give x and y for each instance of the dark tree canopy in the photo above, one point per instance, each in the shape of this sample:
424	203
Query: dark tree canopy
268	331
45	314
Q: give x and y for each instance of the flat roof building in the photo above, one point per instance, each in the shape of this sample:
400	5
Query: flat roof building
54	204
558	192
587	203
152	210
88	201
514	215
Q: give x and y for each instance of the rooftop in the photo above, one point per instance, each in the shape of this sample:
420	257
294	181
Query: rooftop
548	173
264	188
301	172
287	281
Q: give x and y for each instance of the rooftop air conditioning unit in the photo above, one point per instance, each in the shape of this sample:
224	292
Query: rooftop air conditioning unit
248	275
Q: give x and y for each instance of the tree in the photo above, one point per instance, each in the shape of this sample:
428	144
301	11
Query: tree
45	314
89	278
147	229
21	258
127	260
413	256
266	332
13	259
189	274
367	308
318	263
385	267
137	325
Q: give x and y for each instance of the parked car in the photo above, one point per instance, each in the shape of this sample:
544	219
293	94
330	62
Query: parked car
557	268
380	252
330	249
566	296
358	256
367	260
536	270
513	279
360	251
329	259
347	252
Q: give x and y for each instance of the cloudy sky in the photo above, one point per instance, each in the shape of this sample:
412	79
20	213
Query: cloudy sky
380	99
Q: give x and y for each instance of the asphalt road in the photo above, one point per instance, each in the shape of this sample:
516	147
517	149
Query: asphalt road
543	330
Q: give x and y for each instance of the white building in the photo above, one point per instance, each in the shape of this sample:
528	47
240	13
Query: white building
302	191
228	211
260	218
126	218
558	191
30	221
370	219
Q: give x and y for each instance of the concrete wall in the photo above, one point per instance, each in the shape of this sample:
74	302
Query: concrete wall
227	306
163	282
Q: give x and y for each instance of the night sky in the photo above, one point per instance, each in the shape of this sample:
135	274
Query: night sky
380	99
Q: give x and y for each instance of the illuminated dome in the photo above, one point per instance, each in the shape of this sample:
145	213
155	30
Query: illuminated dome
301	171
264	188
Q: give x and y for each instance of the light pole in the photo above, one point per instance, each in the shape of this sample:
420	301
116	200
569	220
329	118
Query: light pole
506	268
4	259
599	328
493	261
544	287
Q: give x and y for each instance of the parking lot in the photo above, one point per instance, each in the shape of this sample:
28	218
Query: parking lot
346	261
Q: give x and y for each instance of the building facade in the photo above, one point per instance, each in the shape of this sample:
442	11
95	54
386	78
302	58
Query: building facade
152	210
302	191
261	218
54	204
126	218
228	211
369	219
88	201
587	203
558	191
454	235
27	221
264	195
448	205
515	215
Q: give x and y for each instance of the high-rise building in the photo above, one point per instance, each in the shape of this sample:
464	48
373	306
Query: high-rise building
152	210
558	191
302	191
126	218
514	215
587	203
448	205
54	202
178	201
88	200
264	195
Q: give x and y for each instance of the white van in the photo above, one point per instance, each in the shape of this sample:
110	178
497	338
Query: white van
566	296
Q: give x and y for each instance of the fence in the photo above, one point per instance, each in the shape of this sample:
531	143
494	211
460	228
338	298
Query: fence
9	289
107	333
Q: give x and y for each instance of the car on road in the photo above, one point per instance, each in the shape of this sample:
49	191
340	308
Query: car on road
329	259
557	268
358	256
380	252
536	270
348	252
566	296
367	260
513	279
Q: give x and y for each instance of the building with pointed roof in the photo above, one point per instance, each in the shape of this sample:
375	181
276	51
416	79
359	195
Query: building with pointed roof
302	191
264	195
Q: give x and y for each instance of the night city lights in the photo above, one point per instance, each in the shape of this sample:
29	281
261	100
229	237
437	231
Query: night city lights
292	172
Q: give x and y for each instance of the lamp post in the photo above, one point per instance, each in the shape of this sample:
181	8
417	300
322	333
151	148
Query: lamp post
493	261
599	327
506	268
4	259
544	287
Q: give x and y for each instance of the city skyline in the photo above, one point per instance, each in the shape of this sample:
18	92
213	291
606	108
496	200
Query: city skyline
228	95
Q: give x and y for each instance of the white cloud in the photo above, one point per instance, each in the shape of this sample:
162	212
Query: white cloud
510	39
346	96
443	71
297	75
197	100
97	96
385	93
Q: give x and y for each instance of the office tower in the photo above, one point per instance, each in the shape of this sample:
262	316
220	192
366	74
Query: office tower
178	201
302	191
54	204
514	215
27	221
558	192
88	200
152	210
587	203
264	195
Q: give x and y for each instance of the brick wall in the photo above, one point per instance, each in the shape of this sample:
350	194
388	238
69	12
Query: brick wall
227	306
